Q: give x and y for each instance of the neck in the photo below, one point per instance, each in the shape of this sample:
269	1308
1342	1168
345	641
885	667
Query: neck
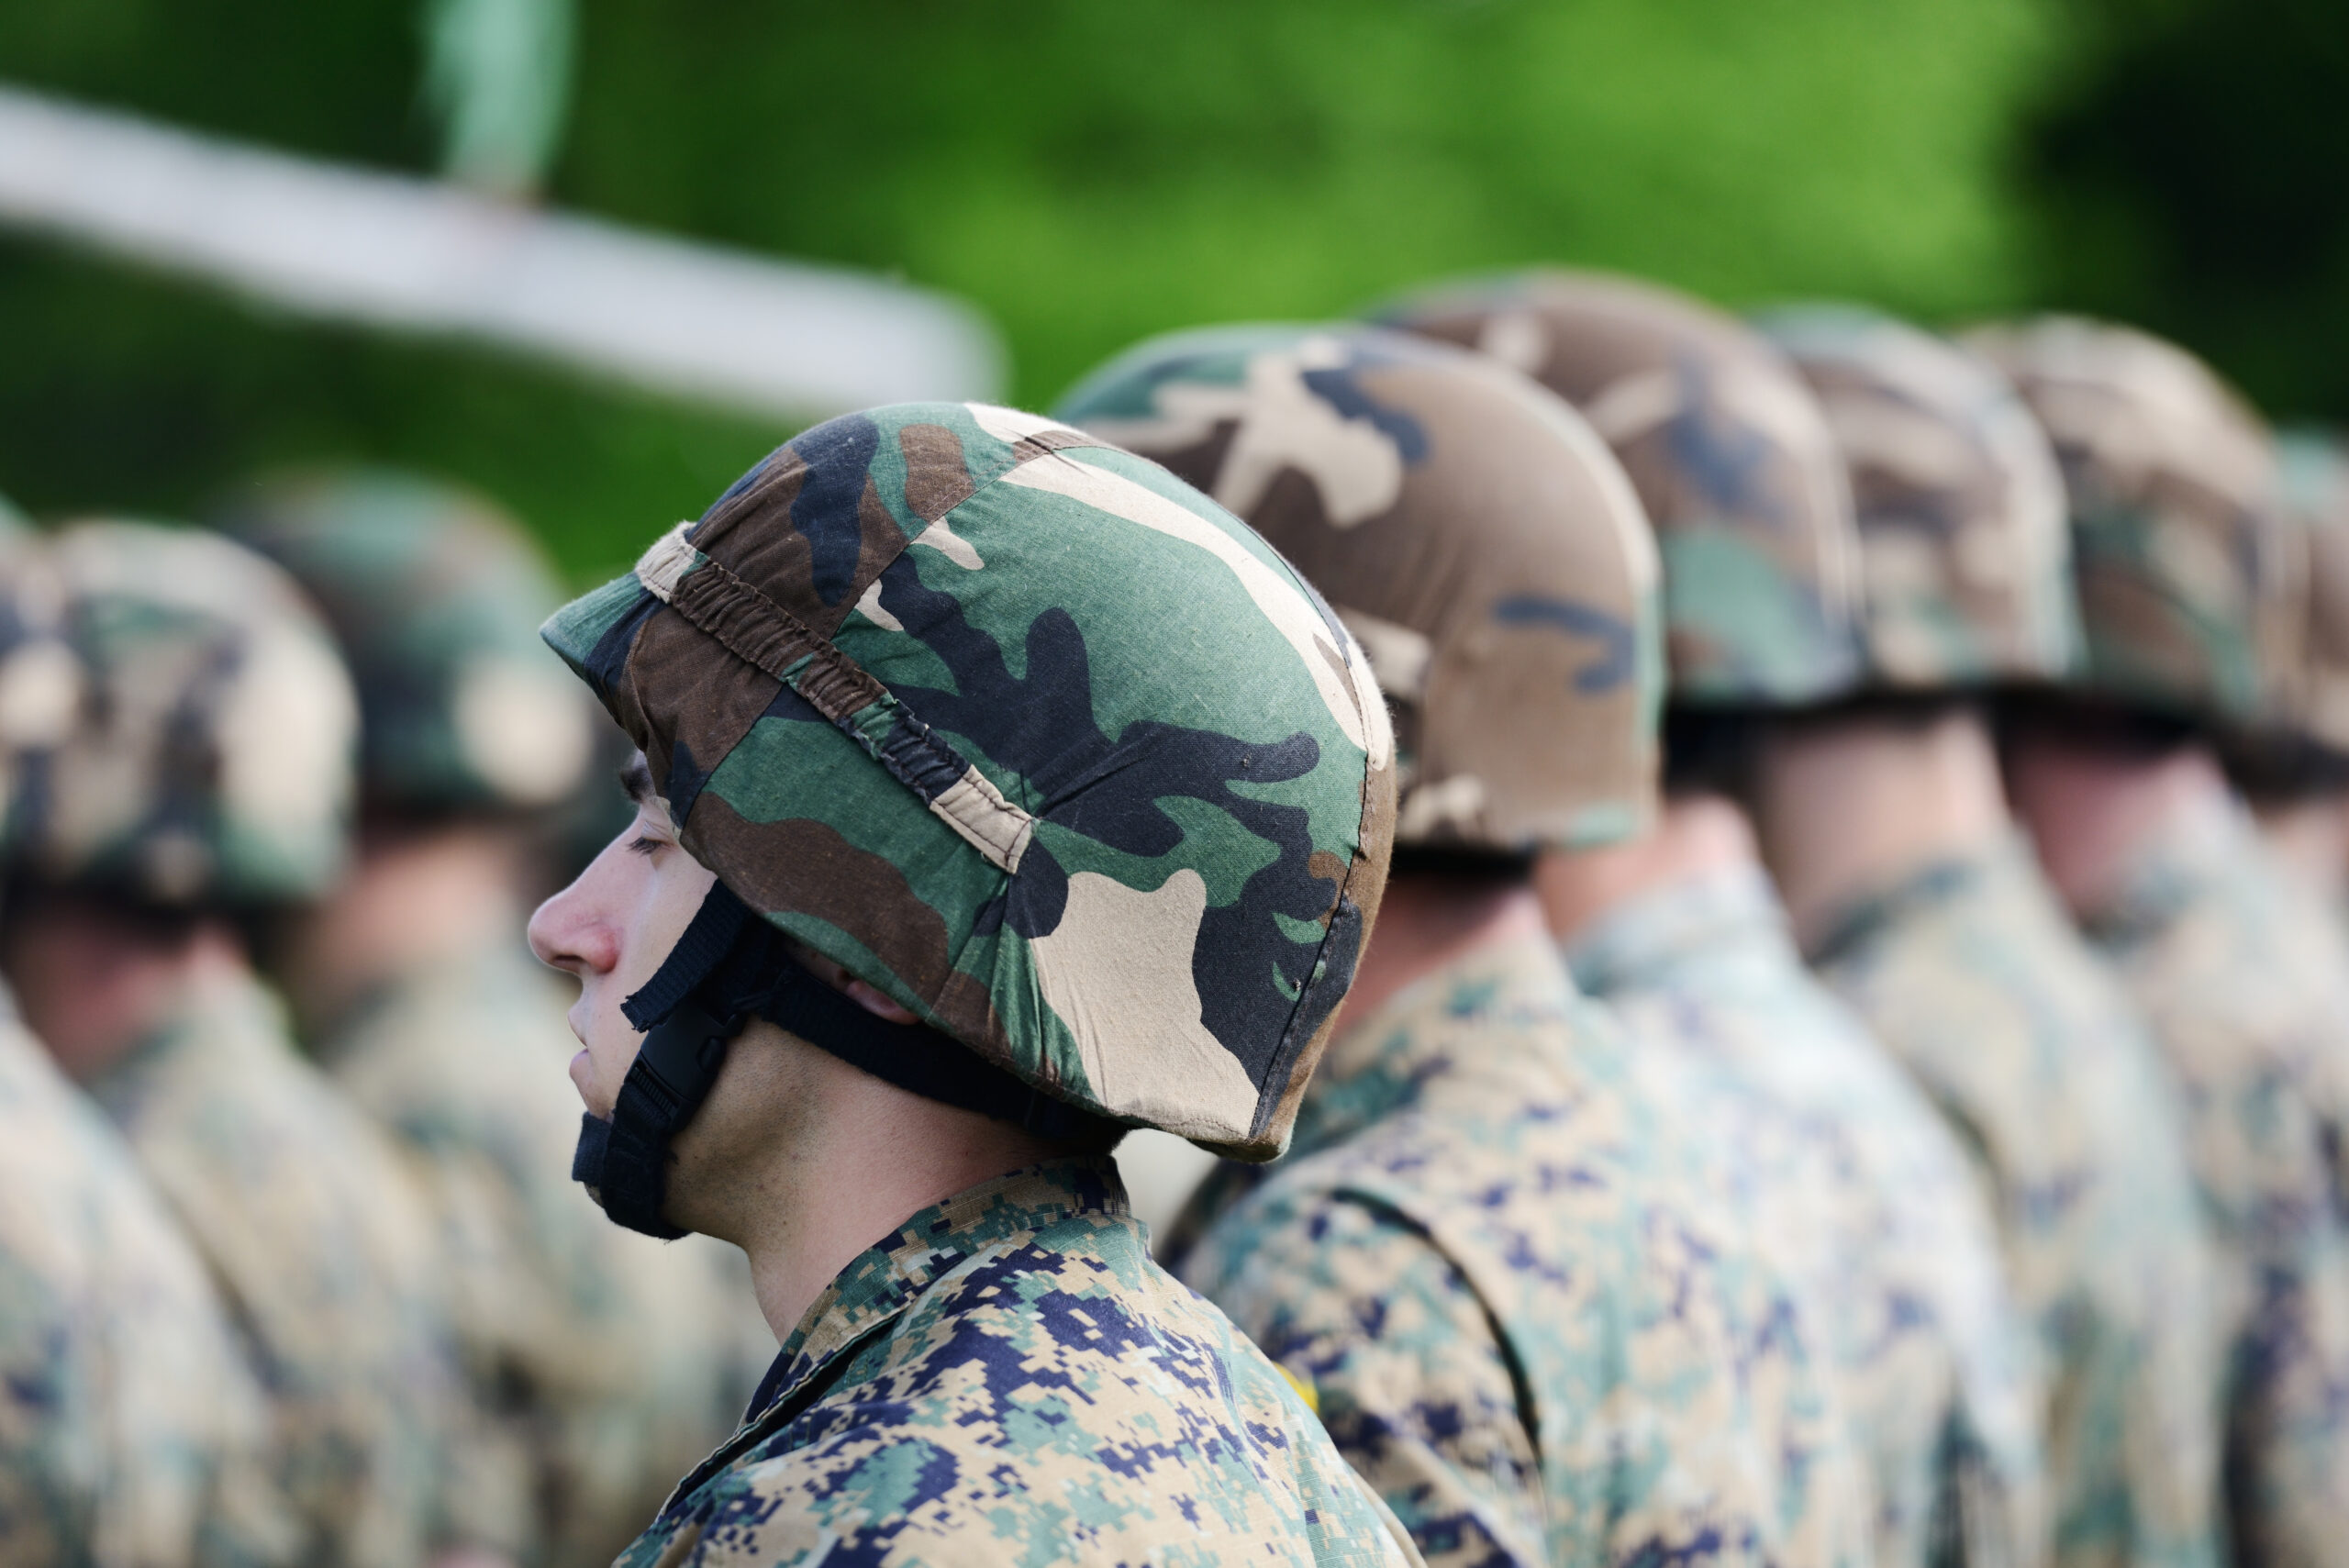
1426	923
411	902
2092	808
2310	838
1694	836
805	1162
1847	808
94	989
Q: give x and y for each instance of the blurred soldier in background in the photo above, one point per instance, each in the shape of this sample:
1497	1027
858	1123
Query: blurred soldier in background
1843	1164
901	941
606	1371
1487	1253
204	781
2301	794
2189	592
132	1435
1884	821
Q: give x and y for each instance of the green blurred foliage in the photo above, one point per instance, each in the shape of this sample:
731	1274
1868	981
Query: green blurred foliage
2188	175
1087	173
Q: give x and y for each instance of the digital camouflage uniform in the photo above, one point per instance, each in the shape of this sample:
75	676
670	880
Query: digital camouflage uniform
1041	743
1968	968
1523	1321
1836	1163
209	766
604	1368
2191	593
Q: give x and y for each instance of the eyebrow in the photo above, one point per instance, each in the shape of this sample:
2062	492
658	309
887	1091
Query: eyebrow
636	779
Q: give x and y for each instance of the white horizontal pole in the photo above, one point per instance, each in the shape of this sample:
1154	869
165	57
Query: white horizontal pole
766	337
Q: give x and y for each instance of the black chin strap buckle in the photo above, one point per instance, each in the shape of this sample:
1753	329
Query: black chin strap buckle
626	1160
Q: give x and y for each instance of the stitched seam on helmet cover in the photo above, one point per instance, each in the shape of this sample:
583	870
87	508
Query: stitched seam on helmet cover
753	628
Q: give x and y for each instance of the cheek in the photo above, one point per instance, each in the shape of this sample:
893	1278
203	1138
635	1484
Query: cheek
663	903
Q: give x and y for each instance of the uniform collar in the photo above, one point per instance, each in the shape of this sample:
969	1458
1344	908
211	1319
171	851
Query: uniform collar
226	1010
1993	867
2202	844
890	1277
1650	941
1384	1060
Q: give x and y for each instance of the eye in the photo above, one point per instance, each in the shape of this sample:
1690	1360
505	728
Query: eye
645	844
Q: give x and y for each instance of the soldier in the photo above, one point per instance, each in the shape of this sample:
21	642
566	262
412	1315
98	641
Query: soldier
1883	820
605	1372
201	783
1847	1172
999	791
131	1434
1487	1253
2188	593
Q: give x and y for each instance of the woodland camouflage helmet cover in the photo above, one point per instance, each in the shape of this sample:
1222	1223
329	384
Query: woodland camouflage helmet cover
2190	588
2314	469
1729	453
1477	538
1964	558
436	596
207	759
1030	734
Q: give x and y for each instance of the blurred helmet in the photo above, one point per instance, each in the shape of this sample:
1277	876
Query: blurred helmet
1032	736
1729	453
1964	558
2315	470
1467	527
203	755
436	596
2191	588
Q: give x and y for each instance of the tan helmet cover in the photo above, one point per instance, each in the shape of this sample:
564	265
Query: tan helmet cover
2192	589
1466	526
1729	453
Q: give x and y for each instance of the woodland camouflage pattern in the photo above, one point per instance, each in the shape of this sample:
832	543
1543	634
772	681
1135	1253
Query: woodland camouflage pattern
2191	596
1471	531
435	596
1008	1378
1032	736
203	726
2314	473
325	1259
1964	558
1974	976
2246	999
1521	1321
1839	1168
1736	467
131	1434
610	1362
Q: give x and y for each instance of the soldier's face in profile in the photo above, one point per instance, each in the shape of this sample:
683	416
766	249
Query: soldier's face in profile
612	929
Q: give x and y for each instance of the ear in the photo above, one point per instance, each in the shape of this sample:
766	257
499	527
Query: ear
880	1006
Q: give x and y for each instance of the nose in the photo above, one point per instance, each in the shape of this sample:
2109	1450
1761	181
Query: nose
565	934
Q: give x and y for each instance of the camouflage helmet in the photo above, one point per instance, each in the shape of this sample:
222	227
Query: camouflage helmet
2315	470
2190	586
1964	558
1029	735
1729	453
206	755
1476	538
436	596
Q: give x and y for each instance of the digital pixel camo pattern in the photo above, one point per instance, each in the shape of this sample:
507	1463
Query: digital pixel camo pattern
2191	597
2246	1001
1521	1322
1974	976
1728	452
609	1359
1008	1378
131	1434
323	1255
435	596
1964	555
2314	473
1468	528
1029	735
204	748
1843	1171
